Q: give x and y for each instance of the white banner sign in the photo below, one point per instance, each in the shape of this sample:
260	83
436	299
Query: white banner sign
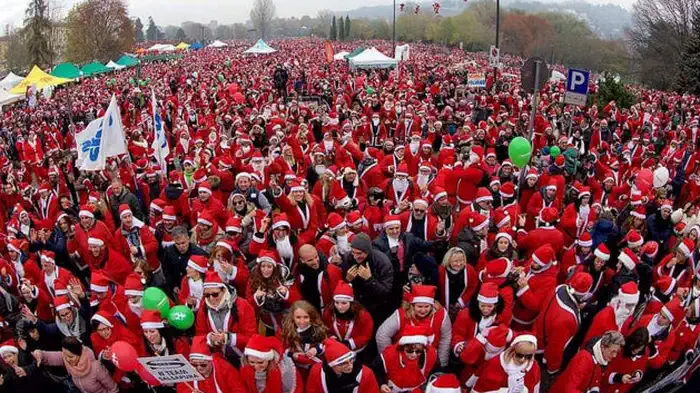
170	369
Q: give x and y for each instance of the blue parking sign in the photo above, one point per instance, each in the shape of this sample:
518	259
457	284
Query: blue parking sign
576	87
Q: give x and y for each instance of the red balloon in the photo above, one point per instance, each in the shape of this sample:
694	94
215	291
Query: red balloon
238	97
644	180
146	376
124	356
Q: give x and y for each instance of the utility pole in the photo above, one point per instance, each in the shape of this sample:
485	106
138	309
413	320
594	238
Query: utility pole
498	30
393	30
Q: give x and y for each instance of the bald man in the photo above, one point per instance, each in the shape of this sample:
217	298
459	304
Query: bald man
313	264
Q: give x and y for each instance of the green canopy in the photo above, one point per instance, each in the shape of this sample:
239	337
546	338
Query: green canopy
94	68
66	70
354	53
127	60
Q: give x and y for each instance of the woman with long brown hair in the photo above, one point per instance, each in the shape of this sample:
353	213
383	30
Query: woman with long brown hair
229	262
347	320
303	333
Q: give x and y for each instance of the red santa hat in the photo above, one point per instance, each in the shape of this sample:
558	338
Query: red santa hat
497	337
497	268
483	195
335	222
99	282
639	212
687	247
414	335
439	193
8	346
505	233
501	218
673	310
200	349
548	216
94	241
650	249
124	210
86	211
665	285
507	190
544	256
424	294
242	175
103	318
296	185
532	173
636	200
343	292
421	202
169	213
133	285
212	280
47	256
488	293
204	187
402	170
552	185
580	283
265	348
280	220
267	256
478	222
353	218
628	293
585	240
628	258
158	205
61	303
444	383
198	263
392	220
666	204
234	224
151	319
336	353
602	252
205	218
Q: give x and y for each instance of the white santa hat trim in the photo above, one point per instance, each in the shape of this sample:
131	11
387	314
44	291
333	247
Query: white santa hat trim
505	235
635	244
484	198
666	206
269	355
62	306
407	340
349	355
266	259
481	226
200	356
8	348
213	285
204	189
204	222
93	241
487	300
585	243
638	215
392	222
339	226
626	260
98	288
297	188
420	202
156	207
539	261
86	213
397	173
231	228
99	318
124	212
152	325
169	217
667	313
551	187
525	338
133	292
224	245
242	174
281	223
600	254
343	298
440	195
628	298
11	247
685	249
423	299
196	267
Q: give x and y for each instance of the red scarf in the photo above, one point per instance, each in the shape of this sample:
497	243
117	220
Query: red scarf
273	384
204	241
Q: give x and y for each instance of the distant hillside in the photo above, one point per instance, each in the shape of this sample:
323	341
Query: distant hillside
609	21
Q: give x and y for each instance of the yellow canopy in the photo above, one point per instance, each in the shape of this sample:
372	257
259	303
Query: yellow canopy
40	79
182	45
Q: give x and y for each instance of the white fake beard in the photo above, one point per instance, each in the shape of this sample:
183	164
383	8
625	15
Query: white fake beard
422	180
621	314
328	145
375	122
342	245
400	185
284	248
259	167
245	149
393	241
414	147
320	169
196	288
136	308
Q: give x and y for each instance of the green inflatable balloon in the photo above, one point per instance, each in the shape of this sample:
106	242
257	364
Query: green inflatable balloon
181	317
114	80
370	90
519	151
155	299
554	151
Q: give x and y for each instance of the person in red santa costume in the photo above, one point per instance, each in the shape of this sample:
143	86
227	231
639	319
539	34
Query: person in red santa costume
158	340
584	372
406	365
230	263
51	273
616	316
267	369
281	241
192	284
687	334
89	227
481	348
578	218
578	254
340	372
457	281
627	369
106	330
420	310
400	191
546	197
47	204
207	202
111	262
348	321
481	315
546	233
534	286
661	327
298	207
514	370
135	239
226	319
559	319
219	375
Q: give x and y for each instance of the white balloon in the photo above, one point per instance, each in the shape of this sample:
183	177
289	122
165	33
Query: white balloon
660	177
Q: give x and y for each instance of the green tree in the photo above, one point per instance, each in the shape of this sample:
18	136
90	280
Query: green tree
152	32
180	34
16	54
341	29
333	36
347	27
138	28
689	70
610	89
38	28
98	29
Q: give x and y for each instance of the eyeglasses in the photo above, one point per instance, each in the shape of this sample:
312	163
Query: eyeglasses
419	211
411	351
524	356
200	365
212	295
239	202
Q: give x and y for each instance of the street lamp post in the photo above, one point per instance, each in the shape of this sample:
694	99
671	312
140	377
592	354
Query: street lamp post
498	28
393	30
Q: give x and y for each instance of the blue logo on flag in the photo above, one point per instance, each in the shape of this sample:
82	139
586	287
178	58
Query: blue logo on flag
159	132
92	146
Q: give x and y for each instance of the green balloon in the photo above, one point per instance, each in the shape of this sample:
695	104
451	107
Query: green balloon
181	317
519	151
114	80
155	299
554	151
370	90
227	63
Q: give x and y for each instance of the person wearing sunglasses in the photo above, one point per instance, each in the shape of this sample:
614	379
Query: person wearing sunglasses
406	365
341	372
219	375
514	370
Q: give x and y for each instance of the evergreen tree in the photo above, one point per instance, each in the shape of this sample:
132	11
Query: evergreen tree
689	70
334	31
341	29
38	28
347	27
138	29
152	32
180	34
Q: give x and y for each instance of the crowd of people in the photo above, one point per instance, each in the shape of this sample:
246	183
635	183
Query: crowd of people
349	231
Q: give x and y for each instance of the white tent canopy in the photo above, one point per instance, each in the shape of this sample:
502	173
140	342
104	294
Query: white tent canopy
7	98
340	55
260	47
557	76
217	44
114	65
10	81
372	58
162	48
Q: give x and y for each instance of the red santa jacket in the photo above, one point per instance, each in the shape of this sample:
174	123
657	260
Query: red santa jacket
214	206
112	263
611	381
556	326
471	282
303	221
493	376
356	333
224	378
686	336
664	340
148	246
240	329
316	382
570	226
404	374
530	298
605	321
581	375
531	241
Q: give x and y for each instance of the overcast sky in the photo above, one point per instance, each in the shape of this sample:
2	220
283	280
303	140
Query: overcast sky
174	12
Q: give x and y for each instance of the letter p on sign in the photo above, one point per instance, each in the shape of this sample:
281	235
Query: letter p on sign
576	87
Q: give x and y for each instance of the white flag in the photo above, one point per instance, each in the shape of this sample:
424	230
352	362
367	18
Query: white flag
160	142
90	142
113	130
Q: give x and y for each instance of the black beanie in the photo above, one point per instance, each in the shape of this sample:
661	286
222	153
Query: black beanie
362	242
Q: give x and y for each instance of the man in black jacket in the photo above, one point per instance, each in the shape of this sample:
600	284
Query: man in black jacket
175	258
121	194
371	275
